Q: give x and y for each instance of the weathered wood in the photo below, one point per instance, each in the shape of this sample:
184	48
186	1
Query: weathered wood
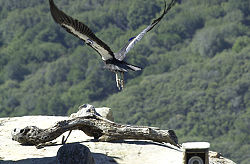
95	126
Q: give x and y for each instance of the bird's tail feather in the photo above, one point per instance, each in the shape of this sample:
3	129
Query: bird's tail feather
133	67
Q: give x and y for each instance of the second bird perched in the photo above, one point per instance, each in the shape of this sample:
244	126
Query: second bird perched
113	61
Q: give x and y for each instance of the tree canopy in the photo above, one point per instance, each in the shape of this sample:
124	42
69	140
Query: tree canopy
196	76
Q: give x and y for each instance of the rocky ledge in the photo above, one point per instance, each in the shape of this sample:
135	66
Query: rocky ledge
125	152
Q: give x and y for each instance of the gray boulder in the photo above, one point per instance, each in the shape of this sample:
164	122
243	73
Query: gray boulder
74	153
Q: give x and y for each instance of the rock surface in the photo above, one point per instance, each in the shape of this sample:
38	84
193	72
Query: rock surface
124	152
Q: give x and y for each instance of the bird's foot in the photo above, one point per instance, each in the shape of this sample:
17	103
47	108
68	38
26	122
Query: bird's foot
122	84
119	82
122	80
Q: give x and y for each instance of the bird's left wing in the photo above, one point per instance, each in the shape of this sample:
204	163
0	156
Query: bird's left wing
81	31
122	53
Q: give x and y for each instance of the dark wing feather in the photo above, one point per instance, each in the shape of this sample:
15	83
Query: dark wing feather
81	31
122	53
155	22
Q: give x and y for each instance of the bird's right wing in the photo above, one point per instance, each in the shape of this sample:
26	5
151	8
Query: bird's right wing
122	53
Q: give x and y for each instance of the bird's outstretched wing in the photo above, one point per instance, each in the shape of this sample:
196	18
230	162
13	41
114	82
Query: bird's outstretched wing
122	53
81	31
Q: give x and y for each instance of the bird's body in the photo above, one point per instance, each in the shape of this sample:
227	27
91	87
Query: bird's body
113	61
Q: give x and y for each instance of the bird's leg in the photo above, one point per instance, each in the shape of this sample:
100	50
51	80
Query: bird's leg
122	79
117	80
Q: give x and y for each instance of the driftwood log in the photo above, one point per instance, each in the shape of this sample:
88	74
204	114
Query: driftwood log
94	125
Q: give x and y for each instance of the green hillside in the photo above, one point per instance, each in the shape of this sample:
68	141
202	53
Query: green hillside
196	76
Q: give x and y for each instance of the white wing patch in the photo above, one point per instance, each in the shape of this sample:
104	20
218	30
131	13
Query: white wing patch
102	51
89	41
137	39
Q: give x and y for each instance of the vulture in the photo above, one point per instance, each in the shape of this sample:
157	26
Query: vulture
114	61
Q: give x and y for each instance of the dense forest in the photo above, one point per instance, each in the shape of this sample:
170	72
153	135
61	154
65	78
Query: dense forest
196	76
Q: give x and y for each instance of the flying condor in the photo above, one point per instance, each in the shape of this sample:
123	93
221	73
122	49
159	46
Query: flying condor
113	61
